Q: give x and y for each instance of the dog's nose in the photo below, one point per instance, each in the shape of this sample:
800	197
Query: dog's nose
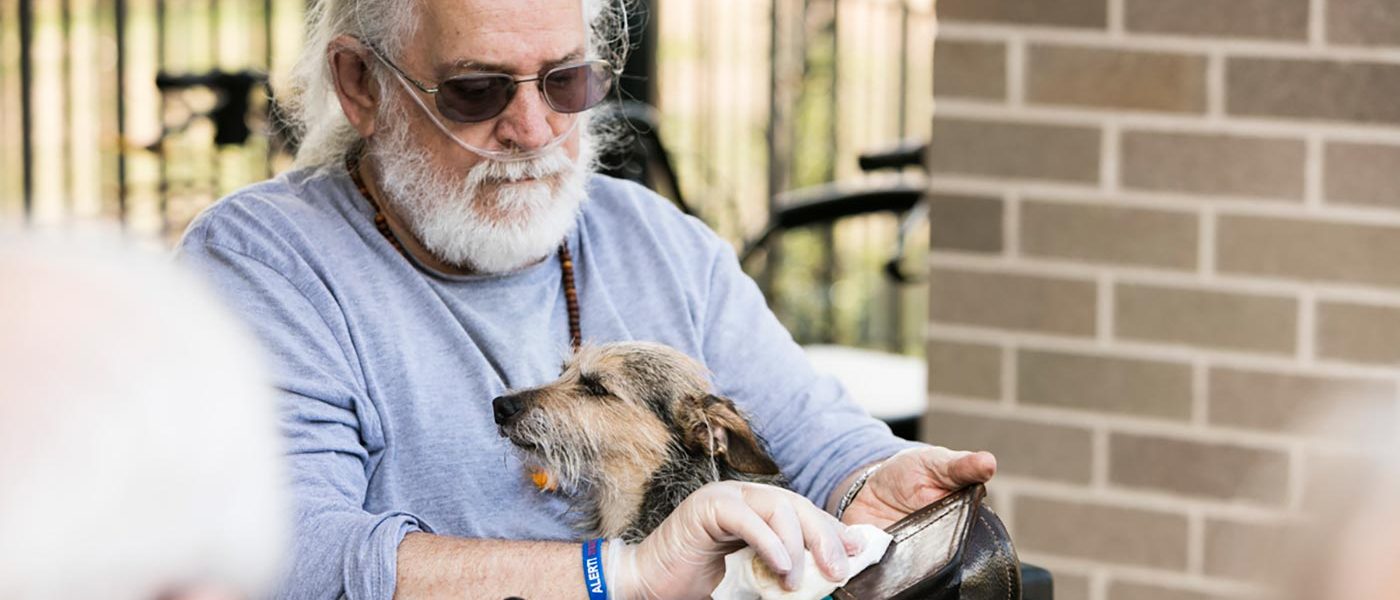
506	407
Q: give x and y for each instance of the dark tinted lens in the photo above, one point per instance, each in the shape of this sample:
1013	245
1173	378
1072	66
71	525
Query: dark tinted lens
577	88
474	98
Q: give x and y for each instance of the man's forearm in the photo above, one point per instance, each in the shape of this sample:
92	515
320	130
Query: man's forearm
431	566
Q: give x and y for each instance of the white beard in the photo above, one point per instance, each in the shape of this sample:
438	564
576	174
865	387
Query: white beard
500	217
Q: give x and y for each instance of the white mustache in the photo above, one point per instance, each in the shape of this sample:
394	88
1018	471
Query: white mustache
555	163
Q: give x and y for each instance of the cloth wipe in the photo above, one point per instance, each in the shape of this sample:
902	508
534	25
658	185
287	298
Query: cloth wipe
747	578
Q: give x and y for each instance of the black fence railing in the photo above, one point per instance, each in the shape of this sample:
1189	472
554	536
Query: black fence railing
139	111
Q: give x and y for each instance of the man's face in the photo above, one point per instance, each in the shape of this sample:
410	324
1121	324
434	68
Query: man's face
518	37
470	211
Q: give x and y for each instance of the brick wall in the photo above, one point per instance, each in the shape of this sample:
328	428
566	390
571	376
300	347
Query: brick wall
1166	237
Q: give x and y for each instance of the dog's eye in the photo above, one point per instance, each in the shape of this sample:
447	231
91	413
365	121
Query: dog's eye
592	385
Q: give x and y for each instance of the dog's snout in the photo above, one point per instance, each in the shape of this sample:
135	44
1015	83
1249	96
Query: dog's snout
506	407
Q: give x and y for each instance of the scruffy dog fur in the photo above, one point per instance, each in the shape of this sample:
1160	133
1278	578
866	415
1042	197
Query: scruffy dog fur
628	431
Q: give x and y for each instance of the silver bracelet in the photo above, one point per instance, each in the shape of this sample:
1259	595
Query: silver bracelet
855	489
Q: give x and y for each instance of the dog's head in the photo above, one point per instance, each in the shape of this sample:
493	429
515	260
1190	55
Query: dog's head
617	413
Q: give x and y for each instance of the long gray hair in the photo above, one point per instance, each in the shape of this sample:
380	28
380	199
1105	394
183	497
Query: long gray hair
307	94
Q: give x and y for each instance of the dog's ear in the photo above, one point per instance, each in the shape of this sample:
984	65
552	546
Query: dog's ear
716	427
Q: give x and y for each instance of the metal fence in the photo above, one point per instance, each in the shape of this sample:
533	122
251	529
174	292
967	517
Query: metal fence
139	111
144	112
763	97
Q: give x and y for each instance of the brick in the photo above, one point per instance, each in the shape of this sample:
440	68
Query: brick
1001	503
1333	480
1205	470
1104	384
1026	303
1015	150
1347	408
965	223
1128	590
1207	319
1358	92
1254	19
1358	333
1023	448
1309	250
1068	586
1117	79
1213	164
965	370
1364	22
1112	534
1110	234
965	69
1247	551
1065	13
1363	174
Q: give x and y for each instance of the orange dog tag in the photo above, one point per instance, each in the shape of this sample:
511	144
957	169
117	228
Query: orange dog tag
542	480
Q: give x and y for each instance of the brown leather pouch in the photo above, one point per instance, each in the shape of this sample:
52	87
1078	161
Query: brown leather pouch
955	548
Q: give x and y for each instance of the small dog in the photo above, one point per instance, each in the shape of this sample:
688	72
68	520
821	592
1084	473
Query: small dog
628	431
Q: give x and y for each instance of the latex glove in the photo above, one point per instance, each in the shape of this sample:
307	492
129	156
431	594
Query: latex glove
745	578
915	478
684	557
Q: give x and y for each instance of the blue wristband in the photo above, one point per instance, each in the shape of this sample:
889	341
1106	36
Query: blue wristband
593	570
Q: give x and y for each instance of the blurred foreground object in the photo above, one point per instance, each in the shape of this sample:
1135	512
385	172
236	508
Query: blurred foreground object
1365	563
1345	543
138	442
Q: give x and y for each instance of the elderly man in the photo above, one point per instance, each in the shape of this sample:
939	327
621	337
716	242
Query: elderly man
443	241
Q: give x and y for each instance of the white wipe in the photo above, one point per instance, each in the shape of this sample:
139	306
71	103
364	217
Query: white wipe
747	578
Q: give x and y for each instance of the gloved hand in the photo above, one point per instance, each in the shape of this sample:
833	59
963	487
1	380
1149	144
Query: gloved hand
684	557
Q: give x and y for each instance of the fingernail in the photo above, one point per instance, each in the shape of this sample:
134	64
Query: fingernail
782	564
854	545
840	565
790	581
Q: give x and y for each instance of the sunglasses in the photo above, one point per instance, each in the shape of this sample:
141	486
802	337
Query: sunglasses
477	97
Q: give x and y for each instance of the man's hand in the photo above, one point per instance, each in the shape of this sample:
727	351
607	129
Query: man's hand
912	480
684	557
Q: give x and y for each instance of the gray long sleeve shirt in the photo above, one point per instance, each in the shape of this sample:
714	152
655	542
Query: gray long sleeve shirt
387	371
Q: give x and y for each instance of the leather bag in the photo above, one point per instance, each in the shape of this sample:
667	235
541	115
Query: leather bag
953	549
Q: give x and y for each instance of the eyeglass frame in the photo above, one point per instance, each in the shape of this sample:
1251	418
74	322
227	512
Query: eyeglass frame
433	91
